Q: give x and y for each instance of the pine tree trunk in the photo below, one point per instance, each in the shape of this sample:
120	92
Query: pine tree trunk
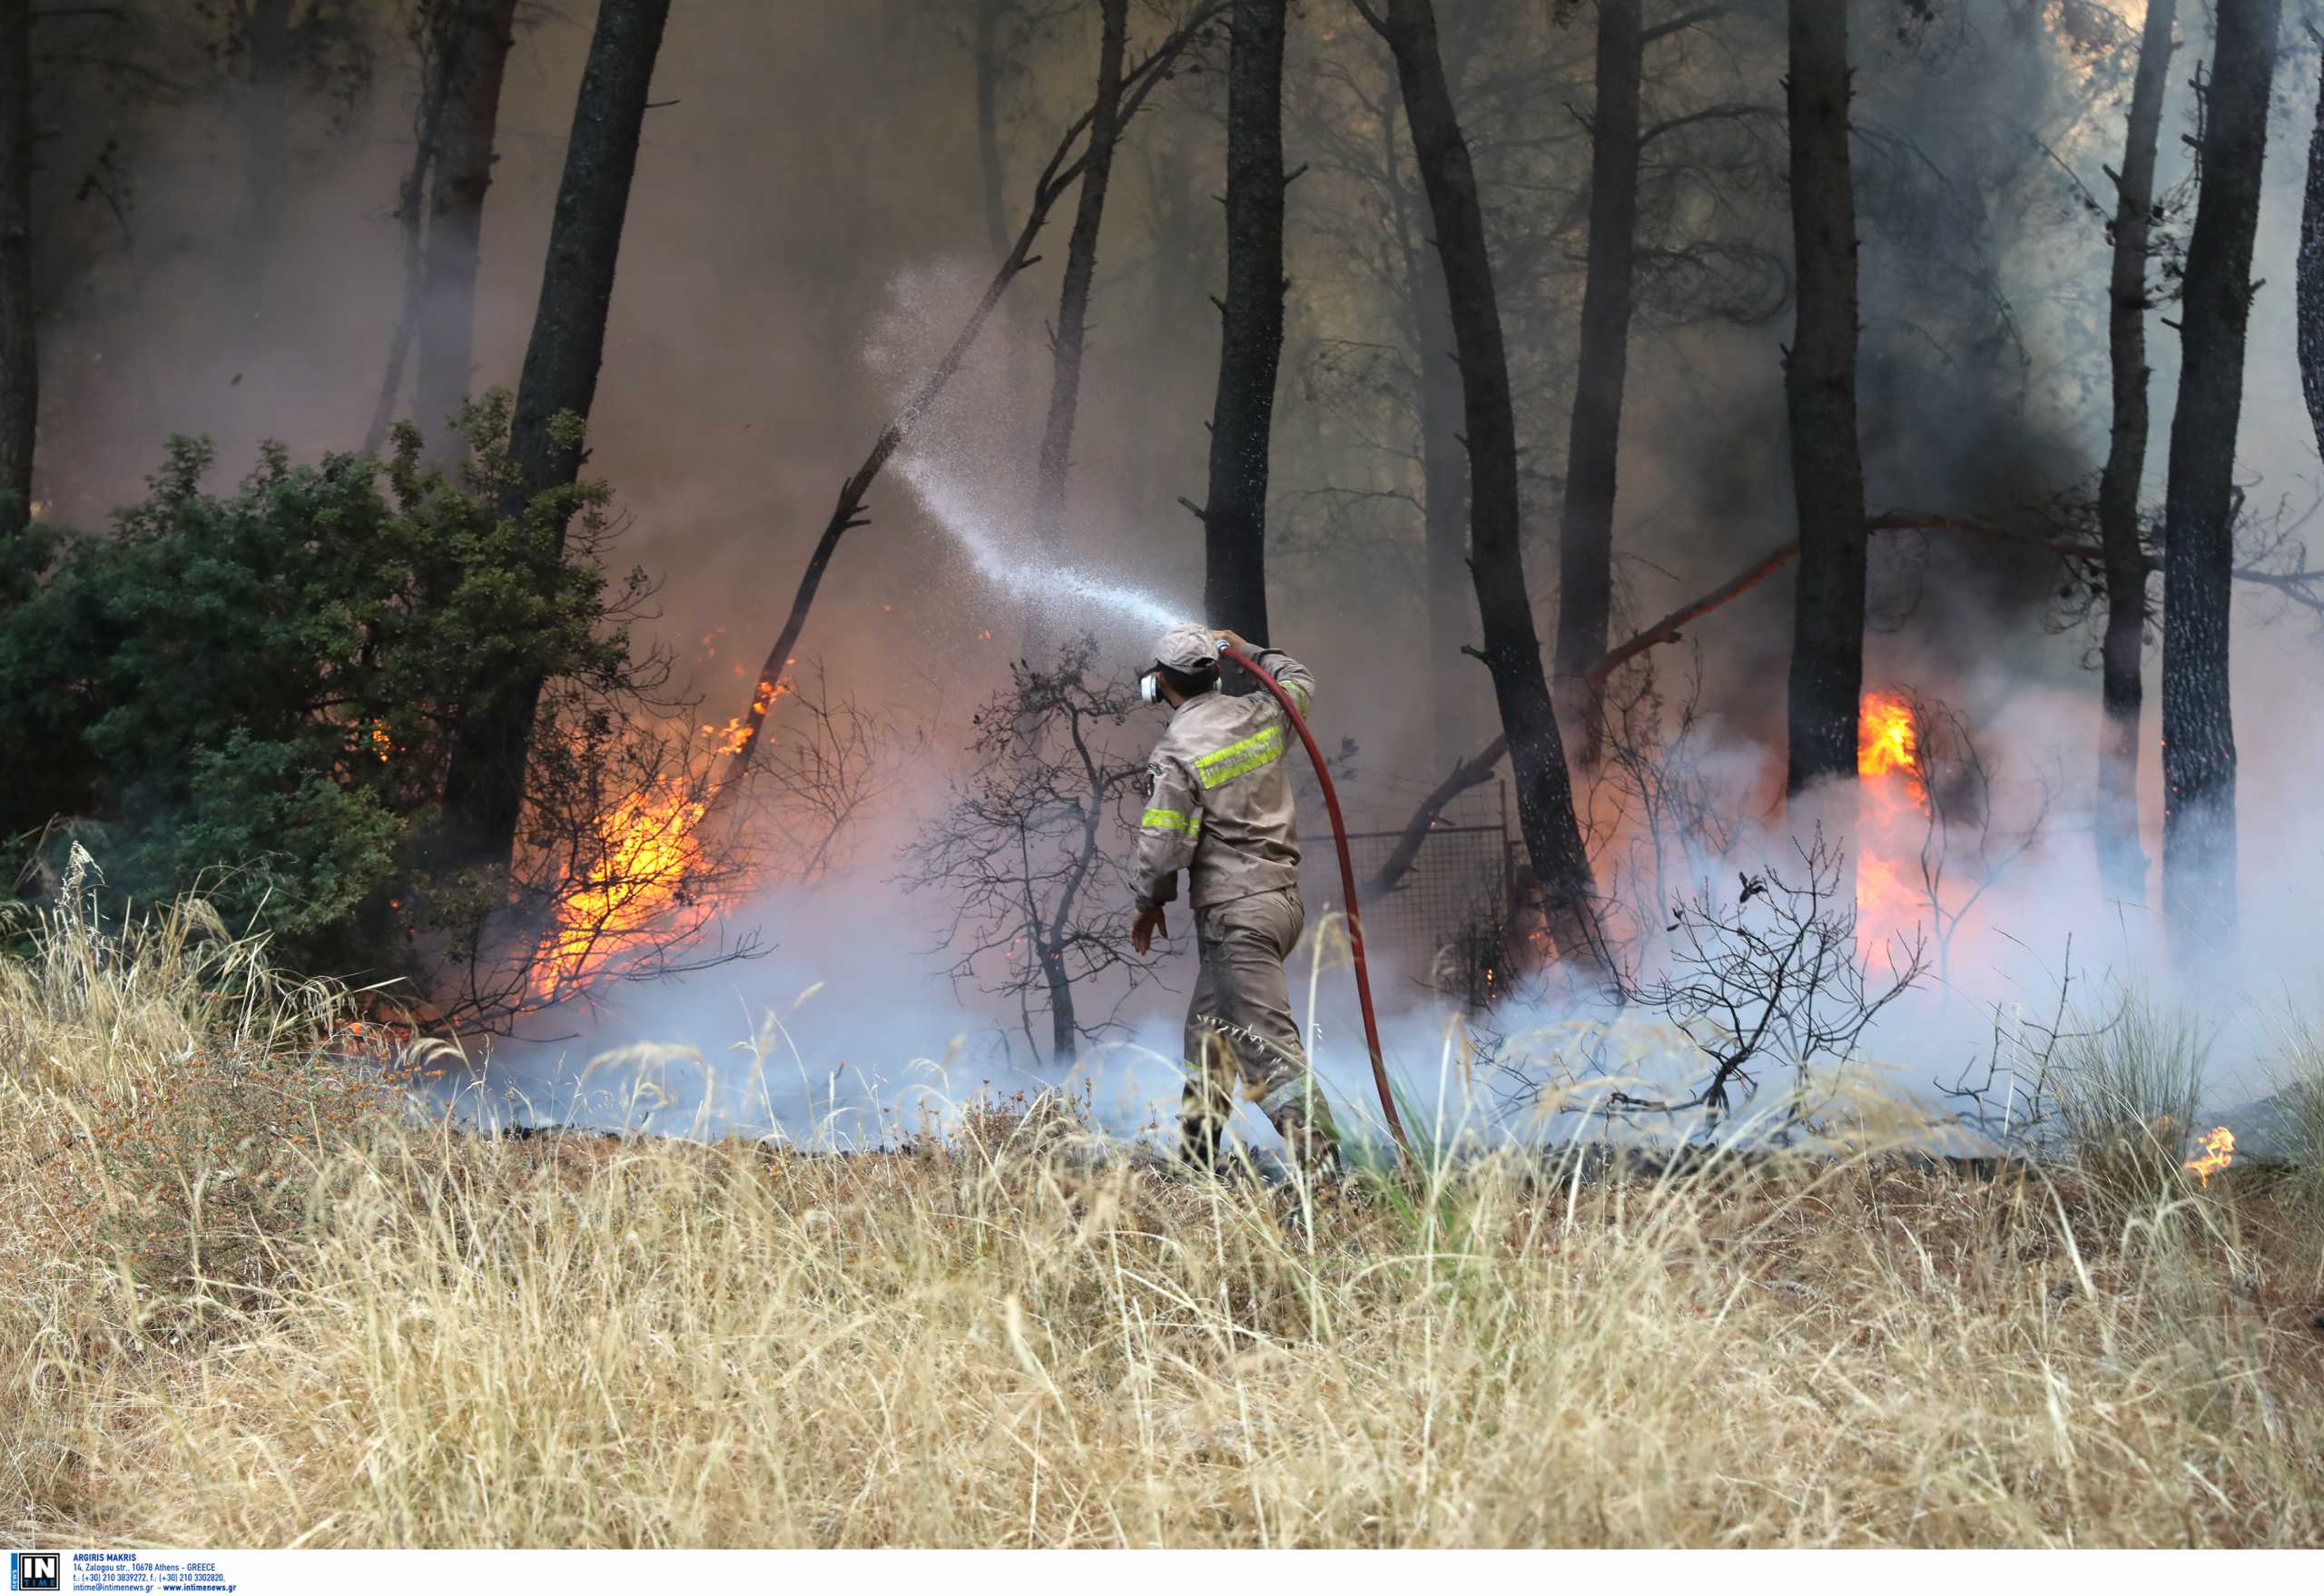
1235	592
19	344
1073	300
2121	861
1819	392
474	37
2199	843
1513	647
484	789
1585	554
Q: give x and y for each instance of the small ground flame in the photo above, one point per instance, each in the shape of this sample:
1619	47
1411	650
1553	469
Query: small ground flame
2219	1152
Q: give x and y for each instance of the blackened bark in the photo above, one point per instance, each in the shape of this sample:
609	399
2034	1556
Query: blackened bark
2121	861
2309	277
19	345
1512	649
1233	517
1064	169
1073	300
2199	843
475	37
484	789
1819	392
1586	552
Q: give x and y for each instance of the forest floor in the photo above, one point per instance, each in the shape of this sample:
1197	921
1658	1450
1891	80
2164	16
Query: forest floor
245	1301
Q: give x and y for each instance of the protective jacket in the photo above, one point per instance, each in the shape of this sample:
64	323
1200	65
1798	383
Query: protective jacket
1218	805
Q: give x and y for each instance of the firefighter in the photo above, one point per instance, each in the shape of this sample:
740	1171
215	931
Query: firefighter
1220	808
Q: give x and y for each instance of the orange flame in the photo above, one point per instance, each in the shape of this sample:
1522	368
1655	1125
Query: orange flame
1892	804
647	856
2219	1152
1883	736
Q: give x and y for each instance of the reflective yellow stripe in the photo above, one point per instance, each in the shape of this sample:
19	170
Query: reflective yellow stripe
1298	696
1172	820
1238	759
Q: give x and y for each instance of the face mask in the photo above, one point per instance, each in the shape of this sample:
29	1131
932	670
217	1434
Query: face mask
1149	688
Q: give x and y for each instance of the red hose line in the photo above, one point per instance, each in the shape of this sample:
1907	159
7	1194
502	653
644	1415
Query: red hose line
1347	884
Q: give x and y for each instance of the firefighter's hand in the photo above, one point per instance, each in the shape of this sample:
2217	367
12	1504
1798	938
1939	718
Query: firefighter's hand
1228	634
1142	930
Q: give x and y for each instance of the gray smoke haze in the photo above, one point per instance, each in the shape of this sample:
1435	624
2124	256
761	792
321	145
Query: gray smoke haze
806	230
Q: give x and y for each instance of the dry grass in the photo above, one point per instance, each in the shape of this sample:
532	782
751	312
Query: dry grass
415	1337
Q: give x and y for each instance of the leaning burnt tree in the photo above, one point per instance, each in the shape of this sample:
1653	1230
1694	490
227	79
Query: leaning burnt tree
2121	861
474	39
2199	846
485	787
1602	366
1071	333
1819	394
19	346
1064	168
2310	272
1512	648
1234	514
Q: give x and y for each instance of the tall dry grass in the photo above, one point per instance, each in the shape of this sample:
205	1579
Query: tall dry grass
420	1337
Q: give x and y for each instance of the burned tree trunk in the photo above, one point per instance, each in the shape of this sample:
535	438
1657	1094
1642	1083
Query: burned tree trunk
1234	516
475	37
1063	170
19	345
1512	649
1073	300
1586	554
484	788
2310	276
2121	861
2199	847
1819	392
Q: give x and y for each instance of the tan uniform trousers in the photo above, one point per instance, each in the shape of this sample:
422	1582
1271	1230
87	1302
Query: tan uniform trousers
1241	1040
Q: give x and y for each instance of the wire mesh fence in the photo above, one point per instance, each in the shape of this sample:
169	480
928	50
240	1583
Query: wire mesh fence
1444	924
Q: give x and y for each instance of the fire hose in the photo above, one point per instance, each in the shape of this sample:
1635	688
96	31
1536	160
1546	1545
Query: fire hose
1348	883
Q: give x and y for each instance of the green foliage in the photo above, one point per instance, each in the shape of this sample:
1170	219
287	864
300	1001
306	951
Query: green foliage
268	681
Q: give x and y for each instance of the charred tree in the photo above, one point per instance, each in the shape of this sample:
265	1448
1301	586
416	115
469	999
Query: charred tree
1234	516
2309	277
19	344
484	789
1512	649
1071	332
1586	550
1819	393
2121	861
474	39
2199	844
1063	170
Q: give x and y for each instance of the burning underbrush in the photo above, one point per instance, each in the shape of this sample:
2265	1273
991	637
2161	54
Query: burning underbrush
1003	1334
